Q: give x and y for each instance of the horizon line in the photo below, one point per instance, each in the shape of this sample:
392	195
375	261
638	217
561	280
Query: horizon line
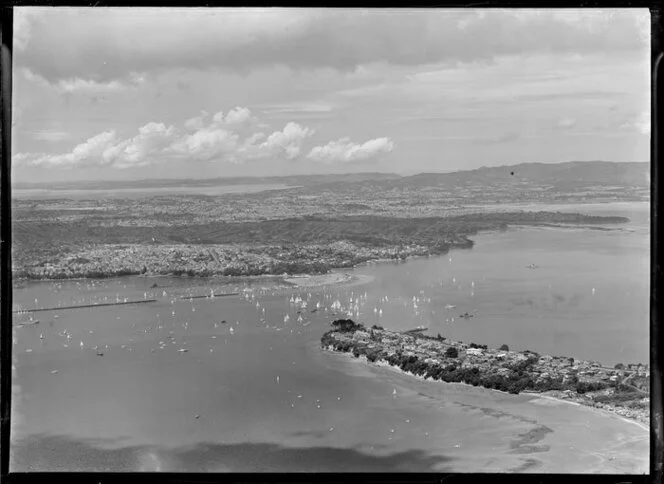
402	174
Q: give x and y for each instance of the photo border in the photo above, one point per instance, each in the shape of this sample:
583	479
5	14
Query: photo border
656	399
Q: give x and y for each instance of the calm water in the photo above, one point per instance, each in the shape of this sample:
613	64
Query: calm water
256	392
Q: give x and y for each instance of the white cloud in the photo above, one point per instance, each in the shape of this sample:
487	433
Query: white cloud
90	152
206	144
105	149
21	159
143	149
72	85
218	118
197	122
235	117
287	142
343	150
238	116
223	139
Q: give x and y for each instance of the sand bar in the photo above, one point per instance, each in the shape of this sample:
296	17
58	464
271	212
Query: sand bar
331	279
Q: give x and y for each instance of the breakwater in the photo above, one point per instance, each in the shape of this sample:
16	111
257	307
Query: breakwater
213	295
81	306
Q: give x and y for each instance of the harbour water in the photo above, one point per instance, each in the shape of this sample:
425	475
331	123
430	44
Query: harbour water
231	384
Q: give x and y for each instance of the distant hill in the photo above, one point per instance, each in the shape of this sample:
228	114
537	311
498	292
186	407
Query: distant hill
293	180
565	175
570	174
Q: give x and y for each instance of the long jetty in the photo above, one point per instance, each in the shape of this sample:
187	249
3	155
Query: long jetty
80	306
214	295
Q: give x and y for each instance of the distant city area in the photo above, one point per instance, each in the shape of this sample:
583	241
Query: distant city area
324	223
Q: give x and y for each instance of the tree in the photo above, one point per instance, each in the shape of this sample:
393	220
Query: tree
346	325
452	352
504	348
619	366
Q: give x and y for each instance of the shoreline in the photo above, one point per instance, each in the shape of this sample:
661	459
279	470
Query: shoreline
531	396
312	281
101	260
595	409
447	361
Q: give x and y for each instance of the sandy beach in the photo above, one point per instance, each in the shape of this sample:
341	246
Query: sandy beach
331	279
549	434
538	397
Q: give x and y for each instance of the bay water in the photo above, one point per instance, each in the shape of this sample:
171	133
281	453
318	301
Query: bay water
231	384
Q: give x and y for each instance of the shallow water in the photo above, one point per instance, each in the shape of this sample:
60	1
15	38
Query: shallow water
264	397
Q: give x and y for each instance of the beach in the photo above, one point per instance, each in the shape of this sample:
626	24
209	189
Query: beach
545	438
330	279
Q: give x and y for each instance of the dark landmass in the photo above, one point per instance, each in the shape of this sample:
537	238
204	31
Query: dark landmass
623	389
45	249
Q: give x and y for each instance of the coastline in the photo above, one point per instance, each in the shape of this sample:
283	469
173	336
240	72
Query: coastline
402	240
536	376
317	281
593	408
529	397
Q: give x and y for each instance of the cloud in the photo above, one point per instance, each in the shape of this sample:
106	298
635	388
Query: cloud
565	123
206	144
220	139
50	135
238	116
24	18
196	122
235	117
90	152
103	45
76	84
141	150
287	142
640	123
343	150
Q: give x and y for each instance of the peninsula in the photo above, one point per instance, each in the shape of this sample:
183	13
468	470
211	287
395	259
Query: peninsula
623	390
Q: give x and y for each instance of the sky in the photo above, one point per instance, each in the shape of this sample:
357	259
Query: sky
132	93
